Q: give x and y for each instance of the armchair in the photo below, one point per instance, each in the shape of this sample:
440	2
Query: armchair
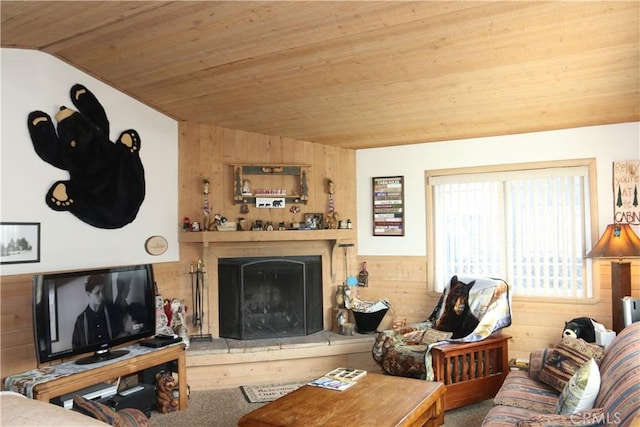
461	344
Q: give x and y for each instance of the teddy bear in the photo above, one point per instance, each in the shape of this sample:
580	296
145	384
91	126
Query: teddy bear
582	327
457	316
106	184
165	386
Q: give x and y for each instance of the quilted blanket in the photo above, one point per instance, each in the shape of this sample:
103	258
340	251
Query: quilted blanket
490	303
407	351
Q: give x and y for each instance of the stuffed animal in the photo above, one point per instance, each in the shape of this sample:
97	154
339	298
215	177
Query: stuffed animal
165	399
582	327
106	184
457	316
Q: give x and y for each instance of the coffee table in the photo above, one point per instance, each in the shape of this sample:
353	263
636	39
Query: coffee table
376	400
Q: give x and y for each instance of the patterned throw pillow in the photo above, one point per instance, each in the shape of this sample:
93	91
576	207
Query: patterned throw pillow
131	417
94	409
564	360
431	336
581	390
412	337
128	417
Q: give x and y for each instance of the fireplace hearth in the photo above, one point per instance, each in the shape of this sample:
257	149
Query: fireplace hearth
270	297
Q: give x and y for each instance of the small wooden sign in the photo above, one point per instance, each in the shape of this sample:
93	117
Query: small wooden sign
156	245
626	186
388	206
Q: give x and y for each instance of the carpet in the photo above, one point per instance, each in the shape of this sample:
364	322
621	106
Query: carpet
223	408
268	392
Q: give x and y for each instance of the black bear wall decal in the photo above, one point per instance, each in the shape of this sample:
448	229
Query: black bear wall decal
457	316
106	183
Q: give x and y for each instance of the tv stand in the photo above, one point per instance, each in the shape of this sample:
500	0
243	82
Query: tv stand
49	382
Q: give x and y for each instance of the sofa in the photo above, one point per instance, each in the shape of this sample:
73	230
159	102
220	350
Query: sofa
531	398
18	410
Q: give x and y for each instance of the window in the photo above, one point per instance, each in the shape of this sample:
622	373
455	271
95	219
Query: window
527	224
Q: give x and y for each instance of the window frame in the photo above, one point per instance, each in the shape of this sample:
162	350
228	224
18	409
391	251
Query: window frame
590	163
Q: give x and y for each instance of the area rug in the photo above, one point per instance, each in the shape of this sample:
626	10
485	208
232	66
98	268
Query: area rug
268	392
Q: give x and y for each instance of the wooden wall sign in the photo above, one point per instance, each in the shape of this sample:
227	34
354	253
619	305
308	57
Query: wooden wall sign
388	206
626	185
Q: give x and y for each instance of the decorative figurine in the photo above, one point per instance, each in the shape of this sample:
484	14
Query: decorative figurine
237	192
332	220
246	187
304	188
206	221
178	322
332	215
165	385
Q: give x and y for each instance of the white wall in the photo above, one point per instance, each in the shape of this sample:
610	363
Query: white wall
604	143
34	80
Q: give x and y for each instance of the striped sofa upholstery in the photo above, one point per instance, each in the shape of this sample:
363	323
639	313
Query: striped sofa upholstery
524	401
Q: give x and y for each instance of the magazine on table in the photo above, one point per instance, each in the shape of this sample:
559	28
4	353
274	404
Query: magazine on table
339	379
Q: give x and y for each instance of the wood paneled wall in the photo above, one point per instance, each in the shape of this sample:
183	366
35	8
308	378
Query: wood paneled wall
206	152
535	323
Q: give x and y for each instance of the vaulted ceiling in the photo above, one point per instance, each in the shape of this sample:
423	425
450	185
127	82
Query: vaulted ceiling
353	74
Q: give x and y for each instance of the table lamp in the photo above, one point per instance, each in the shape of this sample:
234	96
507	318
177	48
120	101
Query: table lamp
618	241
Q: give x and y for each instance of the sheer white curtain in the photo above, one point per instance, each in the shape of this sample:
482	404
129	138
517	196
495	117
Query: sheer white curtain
528	227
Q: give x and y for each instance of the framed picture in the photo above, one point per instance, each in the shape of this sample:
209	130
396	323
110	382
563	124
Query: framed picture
313	221
19	242
388	206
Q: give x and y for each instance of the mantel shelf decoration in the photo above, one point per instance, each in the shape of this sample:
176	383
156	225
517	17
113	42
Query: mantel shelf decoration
272	186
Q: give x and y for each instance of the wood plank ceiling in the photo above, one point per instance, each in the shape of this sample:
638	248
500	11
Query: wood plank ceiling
353	74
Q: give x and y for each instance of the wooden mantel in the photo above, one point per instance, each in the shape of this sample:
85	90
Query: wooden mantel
206	237
336	236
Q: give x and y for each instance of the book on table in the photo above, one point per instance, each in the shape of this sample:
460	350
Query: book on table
339	379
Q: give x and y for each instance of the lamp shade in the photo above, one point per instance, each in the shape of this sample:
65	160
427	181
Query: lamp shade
617	241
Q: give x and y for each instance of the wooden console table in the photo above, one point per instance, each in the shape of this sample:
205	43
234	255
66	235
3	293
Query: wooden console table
141	358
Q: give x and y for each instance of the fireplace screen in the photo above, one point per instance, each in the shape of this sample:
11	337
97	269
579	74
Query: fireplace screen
270	297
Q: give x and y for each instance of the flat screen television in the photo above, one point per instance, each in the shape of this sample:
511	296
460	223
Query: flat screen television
92	311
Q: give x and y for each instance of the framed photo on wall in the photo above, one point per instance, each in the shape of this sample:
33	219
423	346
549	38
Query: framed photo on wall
19	242
388	206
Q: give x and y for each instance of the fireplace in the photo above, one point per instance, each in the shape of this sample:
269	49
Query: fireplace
269	297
